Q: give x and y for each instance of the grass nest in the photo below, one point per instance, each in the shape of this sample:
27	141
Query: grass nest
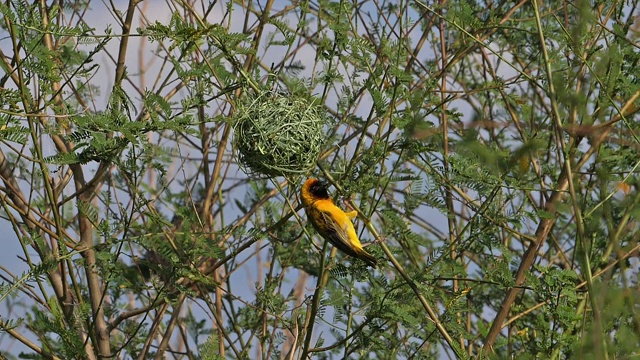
279	135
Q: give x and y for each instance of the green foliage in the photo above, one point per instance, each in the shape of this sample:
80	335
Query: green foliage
489	148
210	349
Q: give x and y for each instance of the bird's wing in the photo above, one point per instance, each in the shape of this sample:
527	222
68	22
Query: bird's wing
337	231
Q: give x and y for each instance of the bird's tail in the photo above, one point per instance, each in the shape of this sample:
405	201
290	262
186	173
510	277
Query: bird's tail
367	258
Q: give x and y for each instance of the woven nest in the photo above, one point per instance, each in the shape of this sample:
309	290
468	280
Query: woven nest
278	135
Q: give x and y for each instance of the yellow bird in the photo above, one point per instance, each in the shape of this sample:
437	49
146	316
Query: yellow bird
331	222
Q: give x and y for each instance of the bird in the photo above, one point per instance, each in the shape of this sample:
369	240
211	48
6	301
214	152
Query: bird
331	222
